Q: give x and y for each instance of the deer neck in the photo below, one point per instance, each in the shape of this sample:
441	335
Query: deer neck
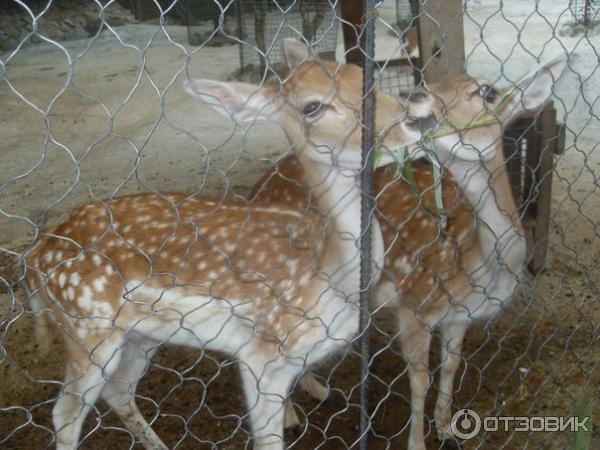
337	194
487	188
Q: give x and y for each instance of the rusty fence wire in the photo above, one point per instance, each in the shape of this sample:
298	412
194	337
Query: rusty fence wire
299	224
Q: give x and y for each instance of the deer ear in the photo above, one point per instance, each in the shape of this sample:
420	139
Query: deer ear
533	90
295	52
241	102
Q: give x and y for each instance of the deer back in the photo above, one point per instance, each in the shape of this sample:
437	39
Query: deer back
427	259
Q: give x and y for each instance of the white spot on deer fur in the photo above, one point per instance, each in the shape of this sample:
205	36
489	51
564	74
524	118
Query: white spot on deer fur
293	266
70	293
305	279
85	299
99	284
143	218
403	265
262	257
96	259
49	256
284	212
127	228
59	256
62	279
286	285
75	279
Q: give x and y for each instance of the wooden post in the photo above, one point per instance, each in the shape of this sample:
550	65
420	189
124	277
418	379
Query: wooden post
352	12
144	10
442	40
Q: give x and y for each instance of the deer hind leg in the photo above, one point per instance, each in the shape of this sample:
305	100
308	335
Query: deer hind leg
415	339
266	387
451	336
43	329
119	393
86	375
313	387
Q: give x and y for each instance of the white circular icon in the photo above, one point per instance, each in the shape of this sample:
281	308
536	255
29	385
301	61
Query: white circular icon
465	424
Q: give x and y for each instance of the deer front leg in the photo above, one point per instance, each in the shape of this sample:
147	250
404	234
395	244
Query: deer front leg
451	336
415	339
266	386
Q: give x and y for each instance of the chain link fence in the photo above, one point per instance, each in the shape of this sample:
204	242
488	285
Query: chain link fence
298	224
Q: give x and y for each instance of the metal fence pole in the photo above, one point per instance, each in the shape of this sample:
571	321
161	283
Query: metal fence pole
367	207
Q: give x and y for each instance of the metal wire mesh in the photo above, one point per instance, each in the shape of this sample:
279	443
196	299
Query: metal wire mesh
180	267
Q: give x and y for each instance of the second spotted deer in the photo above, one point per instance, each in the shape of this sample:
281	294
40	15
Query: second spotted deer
443	274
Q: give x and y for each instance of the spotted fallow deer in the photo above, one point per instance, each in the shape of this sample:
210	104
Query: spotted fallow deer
123	276
442	274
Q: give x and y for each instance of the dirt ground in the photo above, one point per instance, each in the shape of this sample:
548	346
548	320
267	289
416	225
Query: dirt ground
540	357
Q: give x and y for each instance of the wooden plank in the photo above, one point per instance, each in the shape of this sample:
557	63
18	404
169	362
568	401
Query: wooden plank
544	172
442	40
512	144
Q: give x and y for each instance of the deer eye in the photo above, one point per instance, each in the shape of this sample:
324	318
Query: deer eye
488	93
312	109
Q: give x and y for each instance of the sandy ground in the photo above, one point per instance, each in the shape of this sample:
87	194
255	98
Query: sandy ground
112	119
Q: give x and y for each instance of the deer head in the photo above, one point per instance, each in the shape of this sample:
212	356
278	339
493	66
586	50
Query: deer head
319	105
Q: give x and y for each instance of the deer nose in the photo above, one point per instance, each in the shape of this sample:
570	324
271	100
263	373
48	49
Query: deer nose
423	123
418	97
414	97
